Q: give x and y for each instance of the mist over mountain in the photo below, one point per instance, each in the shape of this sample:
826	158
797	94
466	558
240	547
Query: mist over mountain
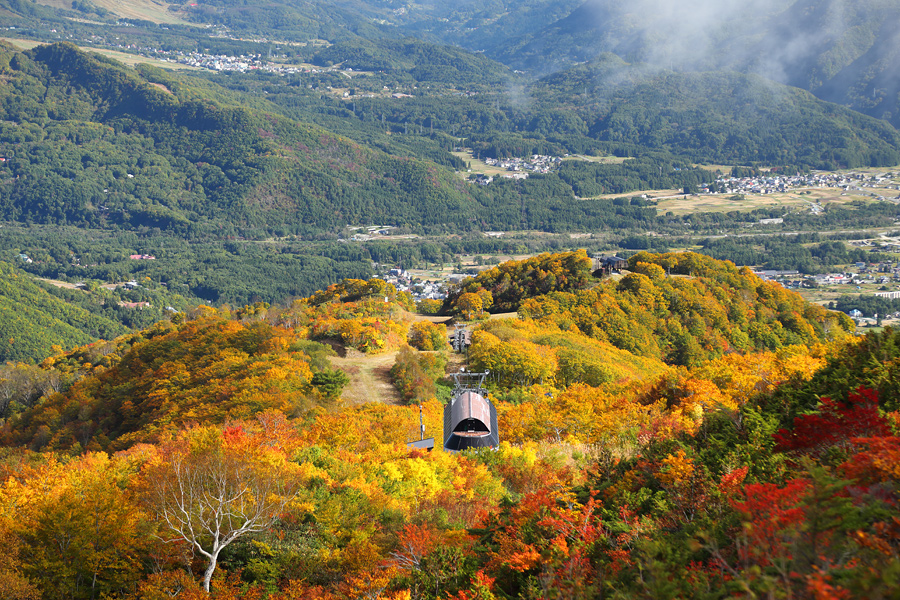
844	52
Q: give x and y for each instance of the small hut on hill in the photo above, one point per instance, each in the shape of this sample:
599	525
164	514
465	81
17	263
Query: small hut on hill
612	264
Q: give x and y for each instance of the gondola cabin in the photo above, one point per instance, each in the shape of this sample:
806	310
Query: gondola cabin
470	419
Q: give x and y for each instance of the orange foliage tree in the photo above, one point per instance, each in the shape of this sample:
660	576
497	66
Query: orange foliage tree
506	286
209	369
369	324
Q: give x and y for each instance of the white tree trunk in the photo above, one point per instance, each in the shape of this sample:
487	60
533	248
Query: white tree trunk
210	569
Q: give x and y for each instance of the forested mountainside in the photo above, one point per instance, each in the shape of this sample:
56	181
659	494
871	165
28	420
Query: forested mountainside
609	106
293	19
574	329
91	143
213	367
618	475
34	320
678	307
717	118
481	26
427	64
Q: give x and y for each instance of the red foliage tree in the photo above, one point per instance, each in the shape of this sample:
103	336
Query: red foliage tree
835	425
773	522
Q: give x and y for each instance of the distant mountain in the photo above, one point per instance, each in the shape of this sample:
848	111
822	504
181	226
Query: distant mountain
844	52
717	117
88	141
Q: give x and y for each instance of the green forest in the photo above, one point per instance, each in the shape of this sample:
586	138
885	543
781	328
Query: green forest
34	319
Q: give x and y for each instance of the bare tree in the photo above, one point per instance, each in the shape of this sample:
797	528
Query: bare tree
52	383
208	489
19	382
8	390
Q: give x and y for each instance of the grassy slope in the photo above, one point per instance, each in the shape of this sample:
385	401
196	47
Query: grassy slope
369	377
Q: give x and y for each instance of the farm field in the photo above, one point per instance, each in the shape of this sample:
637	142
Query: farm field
148	10
799	198
21	43
603	160
478	166
133	59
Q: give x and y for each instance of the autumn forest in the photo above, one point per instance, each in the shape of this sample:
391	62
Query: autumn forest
237	238
683	429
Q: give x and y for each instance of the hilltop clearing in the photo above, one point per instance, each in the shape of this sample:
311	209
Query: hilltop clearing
370	379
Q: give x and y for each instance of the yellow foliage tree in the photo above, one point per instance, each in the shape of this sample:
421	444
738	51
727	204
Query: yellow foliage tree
470	305
425	335
77	533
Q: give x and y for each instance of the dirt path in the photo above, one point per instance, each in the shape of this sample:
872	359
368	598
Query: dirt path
369	377
57	283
